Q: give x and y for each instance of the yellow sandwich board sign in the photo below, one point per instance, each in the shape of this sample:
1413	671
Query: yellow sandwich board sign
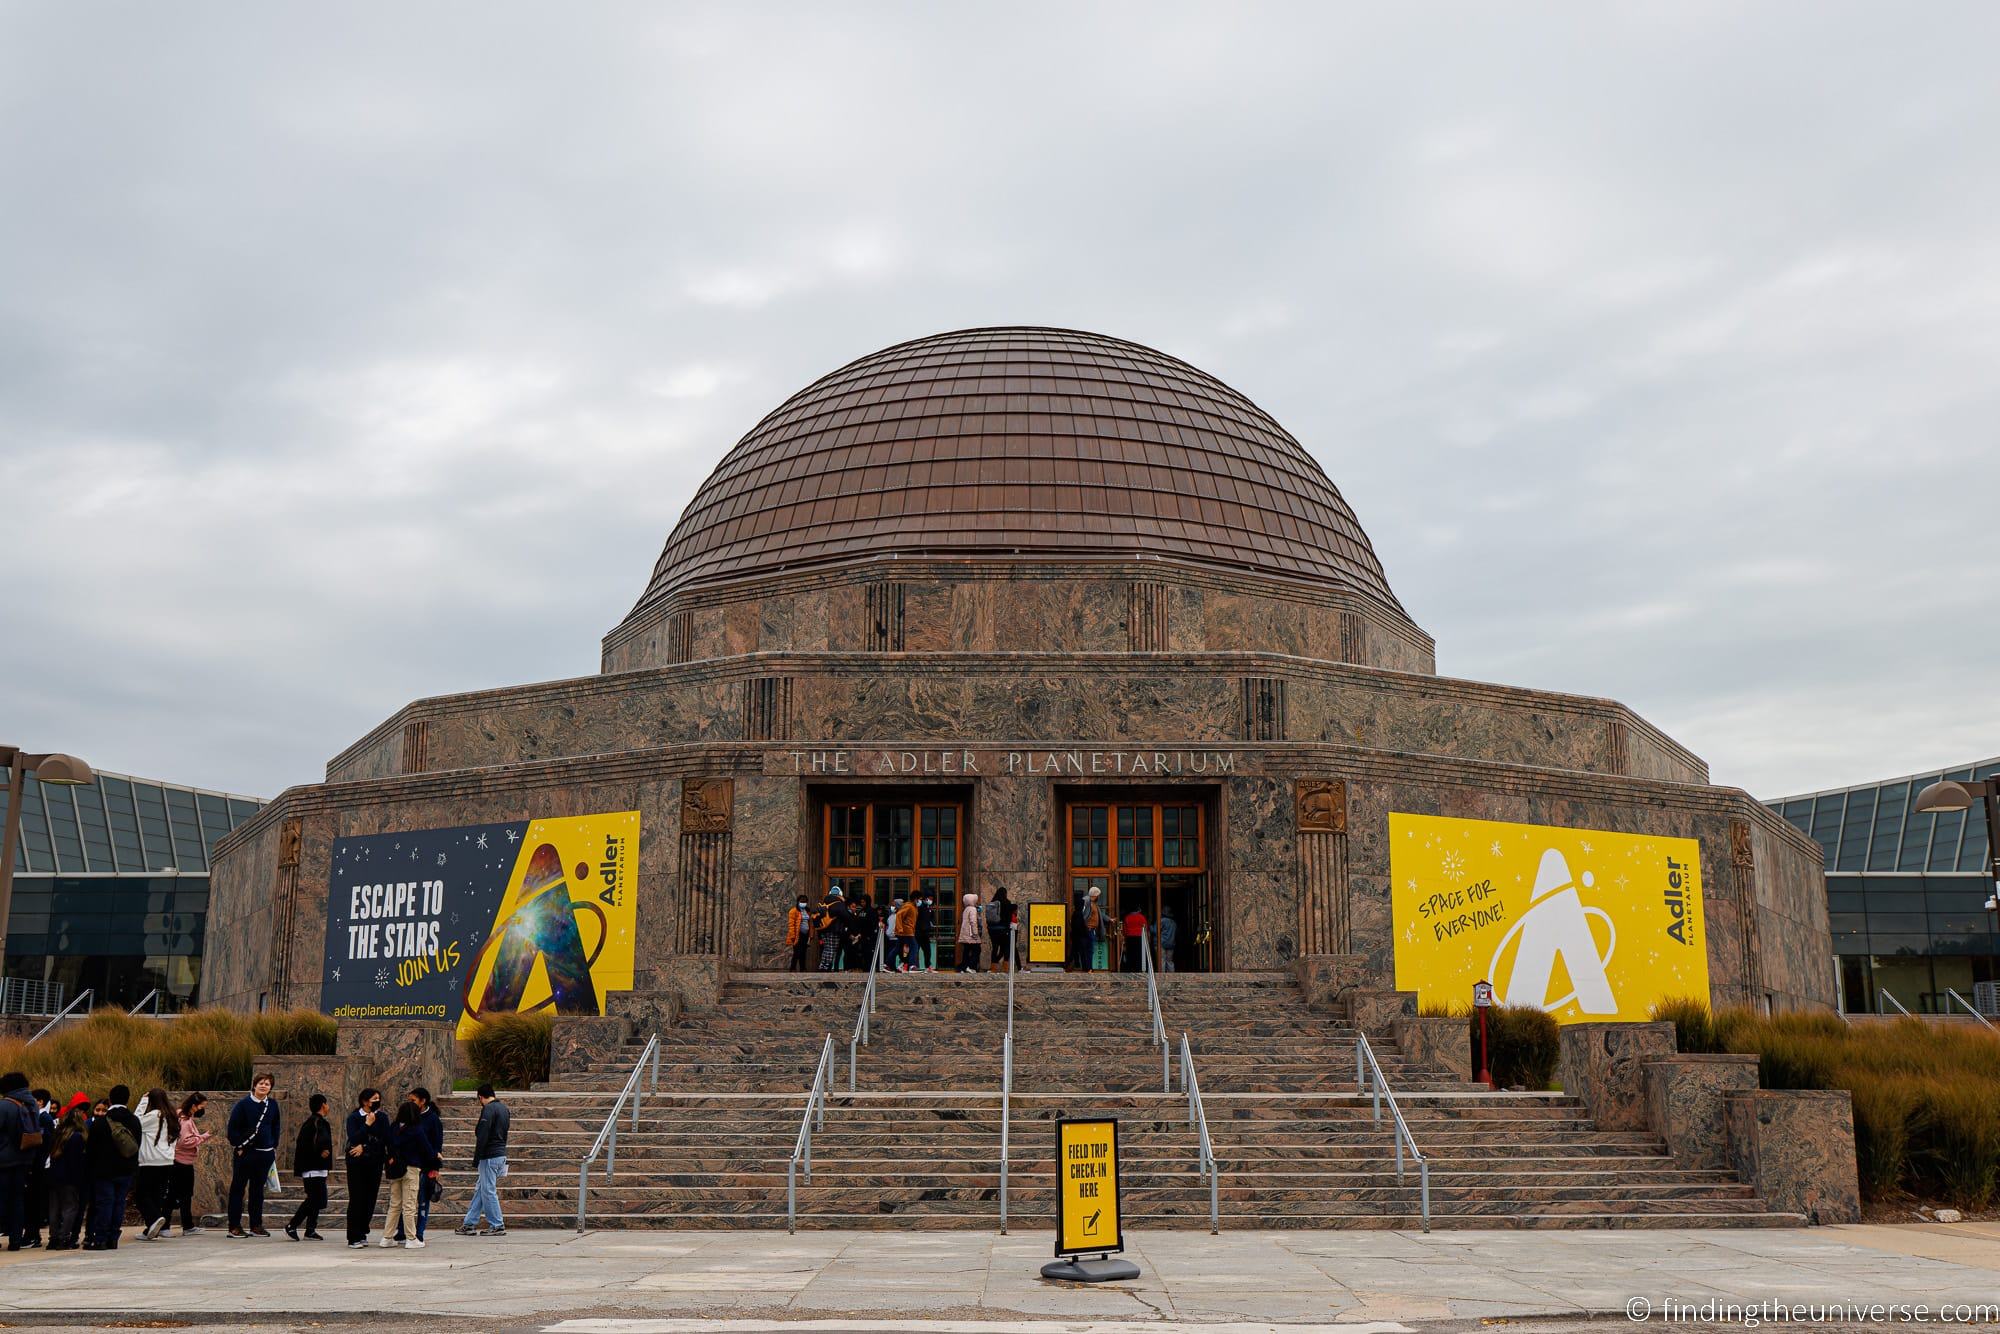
1087	1194
1048	933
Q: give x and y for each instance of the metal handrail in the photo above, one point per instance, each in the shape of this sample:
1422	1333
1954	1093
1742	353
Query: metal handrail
1969	1008
1007	1079
859	1038
1198	1117
1153	1000
62	1014
153	996
607	1138
814	1119
1884	993
1364	1066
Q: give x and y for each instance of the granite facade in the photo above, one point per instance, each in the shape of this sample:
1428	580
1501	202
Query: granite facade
1603	1066
1795	1147
744	690
988	606
1686	1101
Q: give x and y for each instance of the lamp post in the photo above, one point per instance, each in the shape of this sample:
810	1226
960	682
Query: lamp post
64	769
1953	795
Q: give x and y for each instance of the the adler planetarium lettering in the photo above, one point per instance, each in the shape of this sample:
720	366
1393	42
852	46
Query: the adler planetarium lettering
1026	763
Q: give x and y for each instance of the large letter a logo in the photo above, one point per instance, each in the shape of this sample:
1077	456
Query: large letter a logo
1556	926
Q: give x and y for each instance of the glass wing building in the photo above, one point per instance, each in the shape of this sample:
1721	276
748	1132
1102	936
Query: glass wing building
111	889
1906	893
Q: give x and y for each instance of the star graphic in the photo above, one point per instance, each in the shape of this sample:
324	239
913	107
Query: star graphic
513	837
482	842
336	975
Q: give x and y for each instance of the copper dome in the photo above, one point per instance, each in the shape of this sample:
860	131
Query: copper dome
1029	441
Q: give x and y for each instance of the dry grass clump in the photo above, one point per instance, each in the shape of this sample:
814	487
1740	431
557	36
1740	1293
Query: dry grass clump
202	1049
511	1050
1525	1045
1926	1096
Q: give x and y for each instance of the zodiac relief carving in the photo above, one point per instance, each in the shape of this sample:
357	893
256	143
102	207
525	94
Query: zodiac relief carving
1322	806
706	805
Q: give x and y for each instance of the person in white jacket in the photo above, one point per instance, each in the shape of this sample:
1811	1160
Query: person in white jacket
159	1131
968	936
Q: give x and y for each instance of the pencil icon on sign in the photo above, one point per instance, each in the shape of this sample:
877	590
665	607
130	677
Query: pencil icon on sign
1090	1222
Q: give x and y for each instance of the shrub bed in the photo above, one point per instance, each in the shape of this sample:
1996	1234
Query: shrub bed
1525	1046
511	1050
1926	1096
202	1049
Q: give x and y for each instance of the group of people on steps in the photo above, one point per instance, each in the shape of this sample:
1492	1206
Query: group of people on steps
839	933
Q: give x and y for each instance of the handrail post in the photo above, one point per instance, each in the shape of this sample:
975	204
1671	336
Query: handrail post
1968	1006
61	1015
1883	992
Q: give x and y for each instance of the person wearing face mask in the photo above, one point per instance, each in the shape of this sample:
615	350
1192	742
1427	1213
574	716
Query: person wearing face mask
798	934
367	1136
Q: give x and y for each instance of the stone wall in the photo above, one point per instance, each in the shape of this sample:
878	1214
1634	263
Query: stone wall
1112	699
988	606
1766	932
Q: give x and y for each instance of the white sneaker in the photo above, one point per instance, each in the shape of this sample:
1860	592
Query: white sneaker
413	1245
389	1241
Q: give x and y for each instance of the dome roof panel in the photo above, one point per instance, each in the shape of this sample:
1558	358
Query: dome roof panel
1019	440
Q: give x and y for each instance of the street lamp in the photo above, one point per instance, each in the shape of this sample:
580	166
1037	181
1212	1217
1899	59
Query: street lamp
62	769
1952	795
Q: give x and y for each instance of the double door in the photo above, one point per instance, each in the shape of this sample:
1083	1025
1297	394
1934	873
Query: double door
1150	857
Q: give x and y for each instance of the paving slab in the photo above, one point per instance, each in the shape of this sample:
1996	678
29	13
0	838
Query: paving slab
1270	1279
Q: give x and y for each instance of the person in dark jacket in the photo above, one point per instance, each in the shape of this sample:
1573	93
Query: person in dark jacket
409	1165
38	1177
367	1140
489	1155
20	1144
114	1160
69	1174
312	1159
432	1127
862	921
253	1131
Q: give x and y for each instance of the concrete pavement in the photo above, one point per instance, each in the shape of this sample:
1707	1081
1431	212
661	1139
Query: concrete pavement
1251	1279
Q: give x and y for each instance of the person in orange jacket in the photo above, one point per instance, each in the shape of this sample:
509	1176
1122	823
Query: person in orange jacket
798	934
906	936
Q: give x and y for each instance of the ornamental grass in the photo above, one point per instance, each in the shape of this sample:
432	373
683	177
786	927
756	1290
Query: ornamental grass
1926	1096
201	1049
511	1050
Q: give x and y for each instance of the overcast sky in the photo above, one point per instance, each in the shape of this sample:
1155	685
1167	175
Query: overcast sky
351	354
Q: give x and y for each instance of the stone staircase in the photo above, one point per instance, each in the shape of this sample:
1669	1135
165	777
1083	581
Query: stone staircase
917	1144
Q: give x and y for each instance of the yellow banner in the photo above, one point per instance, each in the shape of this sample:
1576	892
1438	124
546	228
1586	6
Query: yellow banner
1087	1195
1584	923
1048	933
563	935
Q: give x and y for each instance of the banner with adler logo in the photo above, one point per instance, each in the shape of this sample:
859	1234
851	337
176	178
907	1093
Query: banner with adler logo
1583	923
463	922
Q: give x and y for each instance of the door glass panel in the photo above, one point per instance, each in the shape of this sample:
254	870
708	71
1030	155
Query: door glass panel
847	836
940	836
1087	837
893	836
1135	835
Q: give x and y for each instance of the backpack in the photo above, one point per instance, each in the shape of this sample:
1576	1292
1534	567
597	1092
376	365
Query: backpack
996	916
123	1140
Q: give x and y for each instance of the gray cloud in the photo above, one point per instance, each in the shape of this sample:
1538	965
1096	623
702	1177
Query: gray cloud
375	351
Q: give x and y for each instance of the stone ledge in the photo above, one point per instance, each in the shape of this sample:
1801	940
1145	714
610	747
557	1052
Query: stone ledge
1685	1103
1795	1148
1602	1066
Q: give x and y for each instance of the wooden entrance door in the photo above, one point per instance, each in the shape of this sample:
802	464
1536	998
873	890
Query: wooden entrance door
1151	856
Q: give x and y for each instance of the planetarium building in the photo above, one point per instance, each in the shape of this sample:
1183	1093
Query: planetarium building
1022	608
